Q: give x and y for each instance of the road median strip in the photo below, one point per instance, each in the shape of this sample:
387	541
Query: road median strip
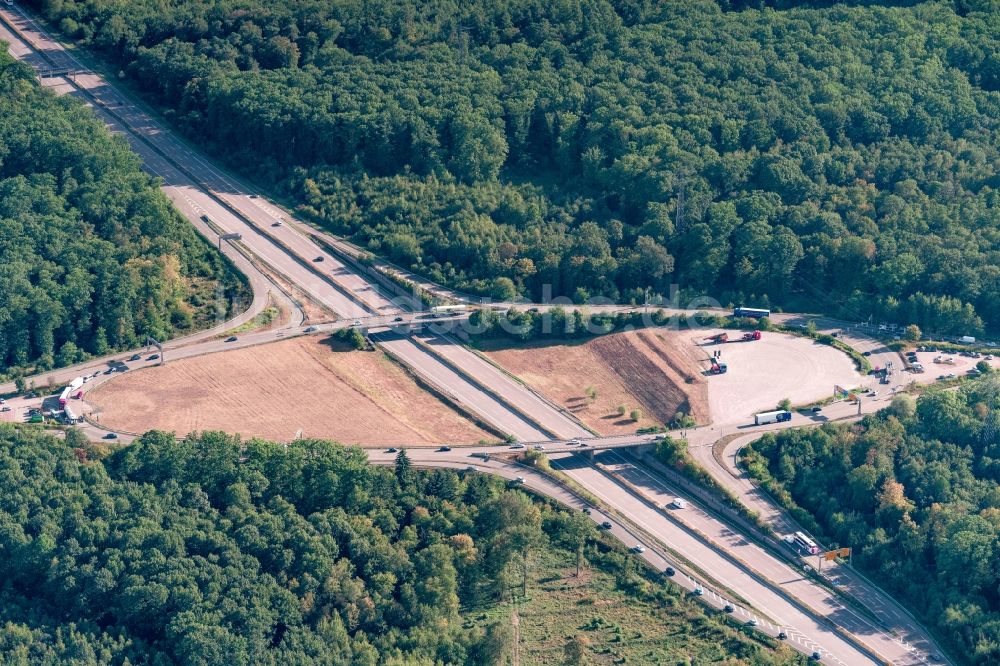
723	552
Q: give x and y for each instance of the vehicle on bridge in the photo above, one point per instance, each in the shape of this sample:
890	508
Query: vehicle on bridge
777	416
445	310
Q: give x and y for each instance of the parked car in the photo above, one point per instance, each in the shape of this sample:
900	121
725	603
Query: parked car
392	449
638	548
111	435
728	608
606	525
517	445
586	510
519	480
232	338
153	357
134	357
318	259
669	571
782	636
4	409
310	329
698	591
444	448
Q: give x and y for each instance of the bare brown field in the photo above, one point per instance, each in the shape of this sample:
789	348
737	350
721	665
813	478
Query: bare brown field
272	391
653	371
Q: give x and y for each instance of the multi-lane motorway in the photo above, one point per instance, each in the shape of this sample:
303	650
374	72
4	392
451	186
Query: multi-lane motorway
216	202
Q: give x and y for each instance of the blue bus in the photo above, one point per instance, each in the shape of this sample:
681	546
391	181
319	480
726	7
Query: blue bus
753	313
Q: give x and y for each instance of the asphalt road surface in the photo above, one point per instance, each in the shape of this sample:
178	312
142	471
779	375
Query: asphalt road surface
274	238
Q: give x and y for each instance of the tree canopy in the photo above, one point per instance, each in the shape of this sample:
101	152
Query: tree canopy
92	257
915	490
214	551
822	154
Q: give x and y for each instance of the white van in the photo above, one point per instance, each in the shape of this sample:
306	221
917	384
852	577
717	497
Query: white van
679	503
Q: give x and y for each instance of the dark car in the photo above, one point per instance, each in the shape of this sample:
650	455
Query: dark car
232	338
318	259
111	435
782	635
586	510
134	357
398	319
815	656
816	410
866	353
392	449
606	525
153	357
728	608
445	448
669	571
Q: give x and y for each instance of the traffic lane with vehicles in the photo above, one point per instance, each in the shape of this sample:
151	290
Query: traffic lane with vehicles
778	609
286	254
621	529
214	342
887	609
155	144
259	284
818	598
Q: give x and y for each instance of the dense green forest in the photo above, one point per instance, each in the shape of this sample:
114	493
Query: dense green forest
915	490
831	155
214	551
92	257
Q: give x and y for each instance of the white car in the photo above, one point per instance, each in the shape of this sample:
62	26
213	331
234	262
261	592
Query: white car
519	479
698	591
574	442
357	322
538	447
679	503
638	548
517	445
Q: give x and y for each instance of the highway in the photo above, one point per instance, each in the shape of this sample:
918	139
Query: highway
274	238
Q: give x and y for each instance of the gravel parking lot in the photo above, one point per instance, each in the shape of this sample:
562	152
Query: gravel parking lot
764	372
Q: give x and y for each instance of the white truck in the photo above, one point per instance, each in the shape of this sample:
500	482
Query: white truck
967	339
777	416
